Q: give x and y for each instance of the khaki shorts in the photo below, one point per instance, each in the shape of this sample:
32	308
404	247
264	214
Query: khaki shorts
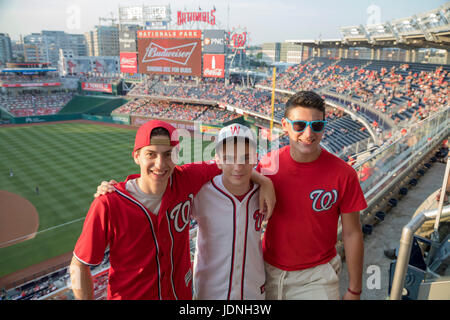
318	283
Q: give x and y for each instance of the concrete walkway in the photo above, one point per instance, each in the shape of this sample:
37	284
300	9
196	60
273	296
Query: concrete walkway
387	234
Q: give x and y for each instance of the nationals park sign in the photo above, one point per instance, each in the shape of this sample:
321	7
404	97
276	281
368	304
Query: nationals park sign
177	52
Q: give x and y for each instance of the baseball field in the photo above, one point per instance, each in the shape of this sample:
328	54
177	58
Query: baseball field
56	167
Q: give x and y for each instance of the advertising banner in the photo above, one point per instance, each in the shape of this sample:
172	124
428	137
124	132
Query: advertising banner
127	46
137	121
208	17
214	65
210	129
214	41
99	87
84	65
128	62
37	84
175	52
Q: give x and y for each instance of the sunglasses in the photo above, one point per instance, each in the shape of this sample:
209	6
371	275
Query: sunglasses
300	125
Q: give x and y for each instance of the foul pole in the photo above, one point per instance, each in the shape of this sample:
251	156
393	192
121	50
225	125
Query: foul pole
273	102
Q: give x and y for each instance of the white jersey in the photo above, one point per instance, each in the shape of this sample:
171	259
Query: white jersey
228	263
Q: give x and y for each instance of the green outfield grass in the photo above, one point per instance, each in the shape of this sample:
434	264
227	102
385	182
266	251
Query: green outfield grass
67	161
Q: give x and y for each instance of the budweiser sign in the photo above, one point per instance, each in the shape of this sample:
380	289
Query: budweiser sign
170	56
196	16
128	62
214	65
178	54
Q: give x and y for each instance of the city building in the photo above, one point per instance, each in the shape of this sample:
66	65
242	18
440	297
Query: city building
103	41
5	49
290	52
45	46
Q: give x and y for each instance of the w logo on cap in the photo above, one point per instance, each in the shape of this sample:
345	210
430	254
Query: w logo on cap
235	130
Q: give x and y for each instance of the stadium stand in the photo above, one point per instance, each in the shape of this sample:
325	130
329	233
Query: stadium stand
405	91
27	104
178	111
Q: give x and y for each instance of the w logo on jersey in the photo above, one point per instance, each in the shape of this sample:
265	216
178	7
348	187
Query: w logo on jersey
258	217
180	214
323	200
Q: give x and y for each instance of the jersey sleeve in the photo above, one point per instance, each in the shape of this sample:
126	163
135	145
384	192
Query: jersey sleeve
268	165
91	245
197	174
353	197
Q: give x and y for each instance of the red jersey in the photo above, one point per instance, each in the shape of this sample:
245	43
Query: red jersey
149	254
302	231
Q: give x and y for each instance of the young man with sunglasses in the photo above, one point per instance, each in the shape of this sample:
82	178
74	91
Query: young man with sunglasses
313	189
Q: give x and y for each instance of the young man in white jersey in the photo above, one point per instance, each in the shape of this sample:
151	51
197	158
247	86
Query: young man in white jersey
228	263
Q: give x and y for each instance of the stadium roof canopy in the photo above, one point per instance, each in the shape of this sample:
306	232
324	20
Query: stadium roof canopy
430	29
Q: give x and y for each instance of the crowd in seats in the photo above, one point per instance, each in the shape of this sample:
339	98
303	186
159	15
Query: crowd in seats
406	92
31	104
175	111
403	91
253	99
56	282
37	288
10	77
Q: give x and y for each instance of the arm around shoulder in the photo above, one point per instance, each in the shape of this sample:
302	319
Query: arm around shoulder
267	197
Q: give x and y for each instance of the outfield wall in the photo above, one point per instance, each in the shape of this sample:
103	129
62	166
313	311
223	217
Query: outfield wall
46	118
116	119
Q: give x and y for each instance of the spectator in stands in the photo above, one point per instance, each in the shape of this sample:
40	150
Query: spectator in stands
313	189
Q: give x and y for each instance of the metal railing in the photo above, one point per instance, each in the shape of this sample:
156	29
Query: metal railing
404	251
405	150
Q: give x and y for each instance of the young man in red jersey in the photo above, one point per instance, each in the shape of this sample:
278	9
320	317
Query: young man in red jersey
313	189
145	223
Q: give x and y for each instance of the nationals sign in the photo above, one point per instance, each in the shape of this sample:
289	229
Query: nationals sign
128	62
170	52
100	87
214	65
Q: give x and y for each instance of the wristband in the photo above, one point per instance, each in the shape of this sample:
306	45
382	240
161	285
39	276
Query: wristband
355	293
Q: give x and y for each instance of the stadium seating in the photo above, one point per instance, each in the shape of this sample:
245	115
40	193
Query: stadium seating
27	104
176	111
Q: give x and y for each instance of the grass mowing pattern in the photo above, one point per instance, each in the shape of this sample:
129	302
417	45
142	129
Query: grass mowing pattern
67	161
80	104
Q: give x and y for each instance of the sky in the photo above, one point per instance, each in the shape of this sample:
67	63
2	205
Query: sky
264	20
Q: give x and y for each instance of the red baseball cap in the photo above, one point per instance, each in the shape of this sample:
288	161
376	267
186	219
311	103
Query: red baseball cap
144	132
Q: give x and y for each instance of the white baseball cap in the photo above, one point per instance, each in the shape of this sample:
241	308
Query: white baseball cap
235	130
